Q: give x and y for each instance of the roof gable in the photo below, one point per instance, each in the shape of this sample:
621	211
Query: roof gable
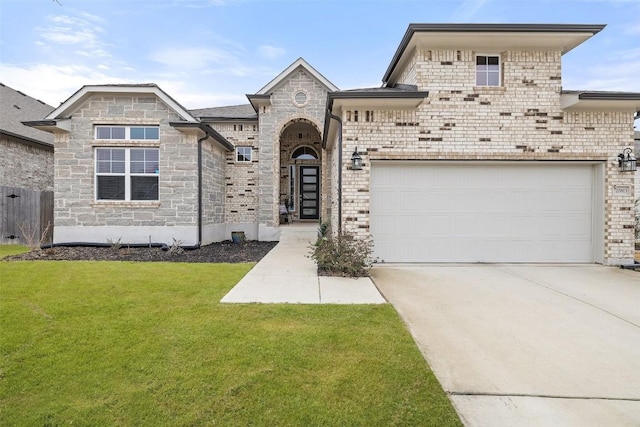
298	63
66	109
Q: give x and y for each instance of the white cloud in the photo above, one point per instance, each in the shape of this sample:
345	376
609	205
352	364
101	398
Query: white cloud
82	32
53	84
270	52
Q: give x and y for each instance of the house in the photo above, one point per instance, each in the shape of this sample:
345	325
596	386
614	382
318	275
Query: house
470	151
27	153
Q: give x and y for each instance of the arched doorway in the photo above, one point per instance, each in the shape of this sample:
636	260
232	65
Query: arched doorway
300	169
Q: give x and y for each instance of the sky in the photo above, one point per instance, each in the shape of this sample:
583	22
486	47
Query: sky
207	53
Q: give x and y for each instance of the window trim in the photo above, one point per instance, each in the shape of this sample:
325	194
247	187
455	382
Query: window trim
127	175
237	152
127	132
488	55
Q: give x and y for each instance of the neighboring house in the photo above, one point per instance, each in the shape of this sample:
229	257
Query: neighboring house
26	170
26	159
471	149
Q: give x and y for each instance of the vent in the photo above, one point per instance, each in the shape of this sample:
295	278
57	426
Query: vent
300	98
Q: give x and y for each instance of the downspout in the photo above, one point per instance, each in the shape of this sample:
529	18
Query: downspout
339	120
200	141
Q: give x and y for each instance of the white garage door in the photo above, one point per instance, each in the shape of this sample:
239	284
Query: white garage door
482	212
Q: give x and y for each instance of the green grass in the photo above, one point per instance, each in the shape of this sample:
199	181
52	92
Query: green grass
116	343
6	250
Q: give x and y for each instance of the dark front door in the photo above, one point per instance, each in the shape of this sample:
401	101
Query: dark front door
309	192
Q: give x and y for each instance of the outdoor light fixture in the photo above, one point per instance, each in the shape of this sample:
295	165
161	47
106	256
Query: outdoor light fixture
356	161
626	161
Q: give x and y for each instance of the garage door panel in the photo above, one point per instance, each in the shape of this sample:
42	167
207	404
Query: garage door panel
426	212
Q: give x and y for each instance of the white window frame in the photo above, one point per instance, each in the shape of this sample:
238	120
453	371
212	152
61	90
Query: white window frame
487	72
127	132
243	150
127	174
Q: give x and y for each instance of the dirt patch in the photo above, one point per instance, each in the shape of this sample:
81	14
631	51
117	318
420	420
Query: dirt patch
250	251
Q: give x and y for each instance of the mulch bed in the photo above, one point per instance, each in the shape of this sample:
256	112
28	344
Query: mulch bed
248	251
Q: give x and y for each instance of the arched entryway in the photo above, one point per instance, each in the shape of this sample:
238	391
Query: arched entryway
300	169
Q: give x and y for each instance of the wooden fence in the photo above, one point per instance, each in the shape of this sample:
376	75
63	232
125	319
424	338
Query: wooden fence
30	210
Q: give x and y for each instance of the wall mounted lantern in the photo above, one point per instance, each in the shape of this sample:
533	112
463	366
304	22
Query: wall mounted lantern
356	161
626	161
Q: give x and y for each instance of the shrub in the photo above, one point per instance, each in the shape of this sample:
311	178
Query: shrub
342	255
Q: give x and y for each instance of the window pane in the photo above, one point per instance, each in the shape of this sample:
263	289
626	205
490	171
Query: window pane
137	155
117	133
492	60
137	133
118	154
103	133
481	60
151	167
152	133
117	167
103	154
104	167
493	79
144	188
110	188
137	167
481	79
152	155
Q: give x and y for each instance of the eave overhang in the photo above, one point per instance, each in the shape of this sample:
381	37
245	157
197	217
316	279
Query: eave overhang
205	130
374	100
52	126
258	101
487	38
600	101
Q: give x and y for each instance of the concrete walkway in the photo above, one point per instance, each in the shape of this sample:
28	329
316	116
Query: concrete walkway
287	275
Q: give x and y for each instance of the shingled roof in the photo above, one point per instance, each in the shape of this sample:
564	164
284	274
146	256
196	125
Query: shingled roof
15	108
243	111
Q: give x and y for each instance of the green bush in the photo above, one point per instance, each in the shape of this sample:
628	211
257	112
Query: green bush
342	255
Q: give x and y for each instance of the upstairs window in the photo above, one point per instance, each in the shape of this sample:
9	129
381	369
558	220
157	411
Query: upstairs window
243	154
128	132
487	70
127	173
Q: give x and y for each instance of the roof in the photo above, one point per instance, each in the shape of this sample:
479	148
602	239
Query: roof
243	112
583	100
15	108
67	108
497	37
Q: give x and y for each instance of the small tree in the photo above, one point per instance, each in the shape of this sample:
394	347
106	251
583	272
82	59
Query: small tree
32	238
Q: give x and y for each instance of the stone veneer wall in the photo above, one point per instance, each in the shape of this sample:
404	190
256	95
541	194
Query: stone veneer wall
240	179
25	164
521	120
213	192
273	119
75	204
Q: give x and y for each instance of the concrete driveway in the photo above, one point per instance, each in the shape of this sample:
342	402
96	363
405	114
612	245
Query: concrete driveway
523	345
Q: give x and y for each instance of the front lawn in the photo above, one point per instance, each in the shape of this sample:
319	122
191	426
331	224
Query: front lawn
6	250
119	343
